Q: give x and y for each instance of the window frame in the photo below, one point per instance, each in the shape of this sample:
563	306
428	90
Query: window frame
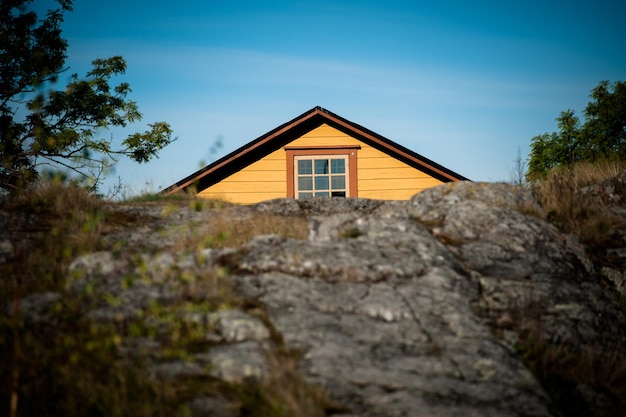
314	175
316	151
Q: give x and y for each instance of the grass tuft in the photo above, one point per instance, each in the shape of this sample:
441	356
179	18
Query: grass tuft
581	381
284	393
560	196
50	226
232	231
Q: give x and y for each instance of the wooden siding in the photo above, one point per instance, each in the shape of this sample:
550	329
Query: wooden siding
383	177
379	176
259	181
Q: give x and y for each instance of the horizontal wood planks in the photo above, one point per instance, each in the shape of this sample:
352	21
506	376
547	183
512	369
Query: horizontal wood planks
379	175
259	181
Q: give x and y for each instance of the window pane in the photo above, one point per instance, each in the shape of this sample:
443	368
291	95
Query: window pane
305	167
321	175
305	183
338	166
338	182
321	183
321	166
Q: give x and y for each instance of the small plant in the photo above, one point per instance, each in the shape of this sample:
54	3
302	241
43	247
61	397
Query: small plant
350	233
284	393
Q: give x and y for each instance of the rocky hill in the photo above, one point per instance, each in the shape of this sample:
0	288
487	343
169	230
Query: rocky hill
462	301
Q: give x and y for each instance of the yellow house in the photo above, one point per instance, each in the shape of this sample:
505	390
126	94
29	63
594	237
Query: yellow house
317	154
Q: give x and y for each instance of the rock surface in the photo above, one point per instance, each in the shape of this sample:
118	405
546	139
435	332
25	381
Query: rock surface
415	308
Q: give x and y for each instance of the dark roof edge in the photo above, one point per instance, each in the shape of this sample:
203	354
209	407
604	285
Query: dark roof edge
191	179
380	142
406	155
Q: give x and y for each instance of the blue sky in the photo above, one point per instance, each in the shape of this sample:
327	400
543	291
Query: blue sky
465	84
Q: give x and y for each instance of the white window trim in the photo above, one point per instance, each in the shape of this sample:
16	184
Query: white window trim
329	157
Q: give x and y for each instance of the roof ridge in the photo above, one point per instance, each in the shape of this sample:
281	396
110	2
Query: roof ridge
307	120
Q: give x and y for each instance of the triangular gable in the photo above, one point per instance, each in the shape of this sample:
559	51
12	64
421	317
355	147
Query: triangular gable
286	133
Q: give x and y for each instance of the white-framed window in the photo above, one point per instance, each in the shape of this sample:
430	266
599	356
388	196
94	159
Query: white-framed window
322	171
321	176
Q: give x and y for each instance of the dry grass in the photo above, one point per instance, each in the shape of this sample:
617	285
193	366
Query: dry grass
179	200
158	197
234	232
284	393
570	210
56	368
567	372
230	230
50	226
582	381
70	369
69	366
